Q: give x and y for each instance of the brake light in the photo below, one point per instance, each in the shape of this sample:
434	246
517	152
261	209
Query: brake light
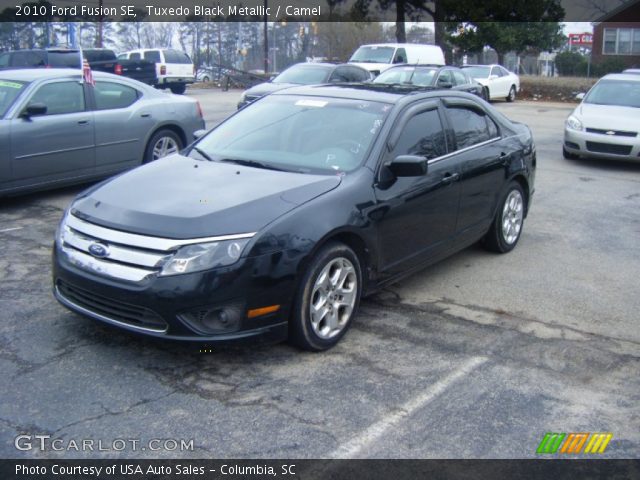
118	70
199	109
163	69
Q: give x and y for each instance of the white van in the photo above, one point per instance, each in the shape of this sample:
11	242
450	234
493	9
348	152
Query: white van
378	57
174	68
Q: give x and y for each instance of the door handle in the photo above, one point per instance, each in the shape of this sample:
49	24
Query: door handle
83	122
145	115
504	158
450	177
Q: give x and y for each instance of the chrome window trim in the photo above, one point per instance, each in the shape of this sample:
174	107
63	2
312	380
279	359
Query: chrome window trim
143	241
462	150
99	316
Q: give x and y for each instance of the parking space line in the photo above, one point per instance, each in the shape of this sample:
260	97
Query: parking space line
356	445
11	229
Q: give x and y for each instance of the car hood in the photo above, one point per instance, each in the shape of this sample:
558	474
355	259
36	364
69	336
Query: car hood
179	197
263	89
608	117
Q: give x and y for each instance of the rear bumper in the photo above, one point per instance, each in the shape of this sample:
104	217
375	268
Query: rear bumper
173	80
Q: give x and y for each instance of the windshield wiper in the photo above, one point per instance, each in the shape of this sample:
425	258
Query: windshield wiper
252	163
203	154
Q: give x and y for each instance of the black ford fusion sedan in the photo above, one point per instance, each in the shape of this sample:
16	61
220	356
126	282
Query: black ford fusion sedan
276	222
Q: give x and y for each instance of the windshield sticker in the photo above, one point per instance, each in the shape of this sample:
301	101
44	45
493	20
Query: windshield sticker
376	125
311	103
10	84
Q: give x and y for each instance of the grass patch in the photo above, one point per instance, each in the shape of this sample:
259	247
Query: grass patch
553	89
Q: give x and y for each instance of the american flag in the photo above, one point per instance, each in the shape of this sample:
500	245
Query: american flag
87	76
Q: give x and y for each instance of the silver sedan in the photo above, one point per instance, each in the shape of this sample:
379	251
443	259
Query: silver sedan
56	130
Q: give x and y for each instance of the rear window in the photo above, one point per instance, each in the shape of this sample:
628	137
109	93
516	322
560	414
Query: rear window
64	59
9	91
99	55
152	56
28	58
174	56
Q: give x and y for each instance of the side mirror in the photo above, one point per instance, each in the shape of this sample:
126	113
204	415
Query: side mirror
408	166
34	109
199	134
580	96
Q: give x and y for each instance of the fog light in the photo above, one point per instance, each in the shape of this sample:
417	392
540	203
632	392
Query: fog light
215	319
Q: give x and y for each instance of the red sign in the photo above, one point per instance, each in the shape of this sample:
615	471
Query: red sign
580	38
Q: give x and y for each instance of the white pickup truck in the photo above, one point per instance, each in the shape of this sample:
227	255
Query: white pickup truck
174	68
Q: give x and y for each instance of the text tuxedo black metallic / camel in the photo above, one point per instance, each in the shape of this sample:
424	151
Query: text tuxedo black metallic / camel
276	222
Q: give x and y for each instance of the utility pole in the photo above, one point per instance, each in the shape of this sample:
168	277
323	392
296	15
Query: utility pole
266	39
100	6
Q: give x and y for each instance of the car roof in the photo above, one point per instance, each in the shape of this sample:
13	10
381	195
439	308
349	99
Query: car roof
32	74
621	76
480	65
370	91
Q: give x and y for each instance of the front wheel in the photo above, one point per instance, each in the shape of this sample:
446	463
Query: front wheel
512	94
507	225
327	299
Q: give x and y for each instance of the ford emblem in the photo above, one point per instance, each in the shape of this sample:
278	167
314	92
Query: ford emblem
98	250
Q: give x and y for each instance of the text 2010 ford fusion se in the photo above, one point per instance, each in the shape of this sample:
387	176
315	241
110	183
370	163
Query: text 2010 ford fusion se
277	221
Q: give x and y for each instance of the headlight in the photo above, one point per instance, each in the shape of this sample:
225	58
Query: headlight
574	124
61	227
204	256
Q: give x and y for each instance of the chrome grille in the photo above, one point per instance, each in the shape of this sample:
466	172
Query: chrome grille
616	133
127	256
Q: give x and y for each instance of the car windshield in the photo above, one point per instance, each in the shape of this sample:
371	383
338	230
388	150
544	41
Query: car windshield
373	55
478	72
9	91
303	75
407	75
297	133
621	93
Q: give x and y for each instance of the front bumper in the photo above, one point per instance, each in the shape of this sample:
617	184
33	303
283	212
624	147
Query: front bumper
168	307
598	145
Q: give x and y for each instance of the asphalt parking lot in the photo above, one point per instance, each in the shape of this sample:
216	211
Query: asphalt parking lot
476	357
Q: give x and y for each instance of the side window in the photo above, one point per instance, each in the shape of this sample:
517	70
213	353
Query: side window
495	71
19	60
445	78
401	56
504	72
60	97
123	56
357	75
152	56
459	77
422	135
114	95
340	74
470	127
134	56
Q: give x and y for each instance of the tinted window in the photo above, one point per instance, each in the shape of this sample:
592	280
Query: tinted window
152	56
134	56
401	56
9	91
358	75
470	127
340	74
422	135
445	77
60	97
174	56
304	74
114	95
64	59
99	55
459	77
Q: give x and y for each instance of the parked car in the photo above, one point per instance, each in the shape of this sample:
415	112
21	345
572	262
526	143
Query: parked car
306	74
606	123
632	70
55	130
174	69
100	59
431	76
378	57
277	221
499	82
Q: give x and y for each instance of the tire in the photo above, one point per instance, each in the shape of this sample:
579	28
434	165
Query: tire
485	94
568	155
179	88
164	142
507	225
206	79
324	285
512	94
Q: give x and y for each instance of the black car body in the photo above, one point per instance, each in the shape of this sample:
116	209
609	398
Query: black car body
431	76
311	73
368	184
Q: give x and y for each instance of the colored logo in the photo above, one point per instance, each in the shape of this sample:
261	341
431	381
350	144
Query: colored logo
574	442
98	250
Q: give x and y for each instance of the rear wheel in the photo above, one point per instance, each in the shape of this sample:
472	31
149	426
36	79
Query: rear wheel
206	79
512	94
507	225
164	142
568	155
327	299
179	88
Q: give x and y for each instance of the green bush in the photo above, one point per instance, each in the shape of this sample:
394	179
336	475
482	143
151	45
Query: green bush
571	64
609	65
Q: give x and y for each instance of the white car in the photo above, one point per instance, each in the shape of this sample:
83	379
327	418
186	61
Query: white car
376	58
499	82
607	122
174	68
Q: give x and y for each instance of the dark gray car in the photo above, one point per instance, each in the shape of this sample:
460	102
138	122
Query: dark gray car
55	130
